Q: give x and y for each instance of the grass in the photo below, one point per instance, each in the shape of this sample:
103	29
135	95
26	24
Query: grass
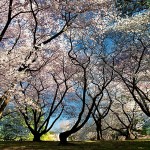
101	145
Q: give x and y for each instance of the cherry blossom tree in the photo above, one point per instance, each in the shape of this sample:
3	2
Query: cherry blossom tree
37	61
125	114
89	85
27	27
48	93
131	58
41	30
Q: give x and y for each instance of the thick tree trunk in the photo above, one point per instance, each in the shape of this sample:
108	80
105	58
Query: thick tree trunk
130	135
37	138
63	137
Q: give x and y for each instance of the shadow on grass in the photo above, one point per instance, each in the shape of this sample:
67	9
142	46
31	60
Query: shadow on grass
85	145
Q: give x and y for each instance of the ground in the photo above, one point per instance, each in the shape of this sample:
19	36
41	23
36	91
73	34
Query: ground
88	145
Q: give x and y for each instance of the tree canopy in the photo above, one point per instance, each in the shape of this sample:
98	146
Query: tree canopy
77	61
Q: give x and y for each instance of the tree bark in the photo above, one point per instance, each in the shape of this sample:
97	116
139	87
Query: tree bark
129	135
37	138
99	130
98	135
63	137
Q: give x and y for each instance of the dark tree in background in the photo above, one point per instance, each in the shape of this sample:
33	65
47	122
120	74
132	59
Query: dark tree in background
101	110
13	127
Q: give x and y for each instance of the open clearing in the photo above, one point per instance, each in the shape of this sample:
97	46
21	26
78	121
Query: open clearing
102	145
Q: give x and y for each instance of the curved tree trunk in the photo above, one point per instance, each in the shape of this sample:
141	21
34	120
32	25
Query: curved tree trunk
130	135
63	137
37	138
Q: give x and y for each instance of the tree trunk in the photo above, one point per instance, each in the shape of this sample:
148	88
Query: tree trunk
98	135
130	135
37	138
99	130
63	137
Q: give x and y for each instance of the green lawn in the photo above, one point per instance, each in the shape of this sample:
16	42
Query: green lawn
102	145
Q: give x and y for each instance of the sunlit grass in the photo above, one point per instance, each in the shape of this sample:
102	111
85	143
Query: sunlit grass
83	145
